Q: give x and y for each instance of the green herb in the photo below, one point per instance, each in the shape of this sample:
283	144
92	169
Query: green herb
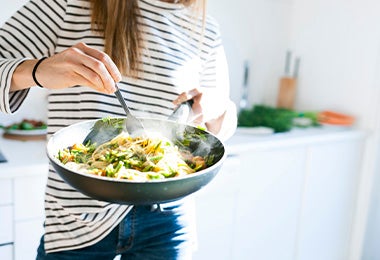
279	119
155	176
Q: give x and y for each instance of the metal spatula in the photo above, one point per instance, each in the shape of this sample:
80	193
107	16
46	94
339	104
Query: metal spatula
133	125
106	129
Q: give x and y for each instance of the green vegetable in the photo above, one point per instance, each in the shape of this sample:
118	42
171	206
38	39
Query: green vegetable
13	127
313	116
279	119
26	126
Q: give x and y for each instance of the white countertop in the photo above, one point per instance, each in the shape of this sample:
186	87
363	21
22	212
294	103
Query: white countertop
241	142
22	155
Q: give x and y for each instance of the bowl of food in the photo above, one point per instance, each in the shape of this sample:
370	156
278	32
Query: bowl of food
170	161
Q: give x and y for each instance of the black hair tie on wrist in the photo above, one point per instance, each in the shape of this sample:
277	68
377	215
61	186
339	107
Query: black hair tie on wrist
34	71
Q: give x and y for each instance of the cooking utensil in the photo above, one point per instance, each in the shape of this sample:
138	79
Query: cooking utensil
182	113
103	131
132	124
140	193
288	84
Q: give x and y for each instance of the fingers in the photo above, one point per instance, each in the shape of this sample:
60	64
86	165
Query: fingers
96	67
197	111
104	59
185	96
196	116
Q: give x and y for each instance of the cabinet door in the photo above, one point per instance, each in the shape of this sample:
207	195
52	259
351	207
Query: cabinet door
29	215
6	252
216	215
6	224
29	197
330	189
269	200
6	192
27	239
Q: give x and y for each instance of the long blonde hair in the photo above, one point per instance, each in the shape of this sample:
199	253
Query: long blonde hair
117	22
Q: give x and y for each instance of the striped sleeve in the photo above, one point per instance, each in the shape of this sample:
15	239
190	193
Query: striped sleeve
30	33
214	77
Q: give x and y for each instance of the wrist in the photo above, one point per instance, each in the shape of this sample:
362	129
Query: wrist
22	76
34	72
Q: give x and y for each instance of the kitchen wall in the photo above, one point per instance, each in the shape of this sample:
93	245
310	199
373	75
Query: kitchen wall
256	31
339	42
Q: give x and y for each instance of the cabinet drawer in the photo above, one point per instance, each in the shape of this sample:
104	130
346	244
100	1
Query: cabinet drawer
6	226
5	192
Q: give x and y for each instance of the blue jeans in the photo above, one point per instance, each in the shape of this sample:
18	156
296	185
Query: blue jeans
147	232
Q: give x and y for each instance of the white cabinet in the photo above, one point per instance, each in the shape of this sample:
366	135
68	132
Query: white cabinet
22	188
22	215
6	192
29	196
6	224
329	197
6	252
215	205
6	220
291	199
268	204
27	238
29	215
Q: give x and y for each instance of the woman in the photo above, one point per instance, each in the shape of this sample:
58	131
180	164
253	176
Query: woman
162	53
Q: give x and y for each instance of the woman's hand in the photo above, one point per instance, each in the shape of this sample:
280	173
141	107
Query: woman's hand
77	65
196	115
202	109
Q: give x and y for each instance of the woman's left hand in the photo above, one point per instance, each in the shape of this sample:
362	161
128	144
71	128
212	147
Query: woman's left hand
197	114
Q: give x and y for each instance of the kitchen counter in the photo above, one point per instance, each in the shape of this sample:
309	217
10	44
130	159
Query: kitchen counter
241	141
21	156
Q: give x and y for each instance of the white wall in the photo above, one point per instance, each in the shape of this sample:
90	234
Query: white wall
339	42
256	31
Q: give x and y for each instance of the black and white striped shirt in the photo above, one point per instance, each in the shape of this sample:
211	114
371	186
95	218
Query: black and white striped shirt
173	62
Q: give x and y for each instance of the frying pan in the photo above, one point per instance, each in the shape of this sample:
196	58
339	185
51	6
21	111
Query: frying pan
140	193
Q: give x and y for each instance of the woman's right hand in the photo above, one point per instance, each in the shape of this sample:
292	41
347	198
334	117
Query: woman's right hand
77	65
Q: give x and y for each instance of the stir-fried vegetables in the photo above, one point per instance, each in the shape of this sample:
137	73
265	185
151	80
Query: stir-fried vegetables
130	158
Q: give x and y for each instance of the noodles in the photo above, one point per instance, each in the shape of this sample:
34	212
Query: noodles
138	159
